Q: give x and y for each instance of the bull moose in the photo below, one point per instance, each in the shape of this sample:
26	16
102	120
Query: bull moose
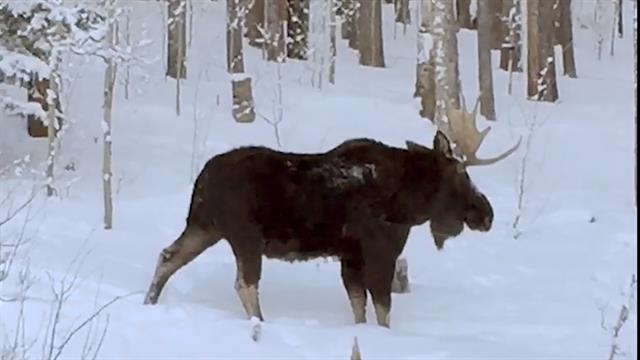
356	202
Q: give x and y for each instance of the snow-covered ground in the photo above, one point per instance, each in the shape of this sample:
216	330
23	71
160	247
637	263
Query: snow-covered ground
554	292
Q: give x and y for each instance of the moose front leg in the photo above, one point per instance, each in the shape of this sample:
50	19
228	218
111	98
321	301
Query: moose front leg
353	281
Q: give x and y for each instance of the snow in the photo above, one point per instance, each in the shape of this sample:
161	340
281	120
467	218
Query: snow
544	295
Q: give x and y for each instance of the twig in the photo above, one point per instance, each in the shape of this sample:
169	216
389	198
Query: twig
72	333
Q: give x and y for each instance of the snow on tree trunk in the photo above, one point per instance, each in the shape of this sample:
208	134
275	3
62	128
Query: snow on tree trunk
107	175
243	110
370	33
445	47
564	37
511	50
464	14
297	29
176	52
541	73
275	14
485	76
52	98
254	22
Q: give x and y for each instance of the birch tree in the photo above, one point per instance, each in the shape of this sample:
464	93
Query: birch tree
331	8
485	76
511	50
370	43
107	106
635	96
541	72
176	54
425	69
241	89
445	46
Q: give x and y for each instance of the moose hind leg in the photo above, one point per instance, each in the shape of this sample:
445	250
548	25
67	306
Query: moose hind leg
191	243
247	281
353	281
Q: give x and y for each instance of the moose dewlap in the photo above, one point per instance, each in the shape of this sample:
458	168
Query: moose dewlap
356	202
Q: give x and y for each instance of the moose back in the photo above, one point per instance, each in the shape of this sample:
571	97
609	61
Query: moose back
356	202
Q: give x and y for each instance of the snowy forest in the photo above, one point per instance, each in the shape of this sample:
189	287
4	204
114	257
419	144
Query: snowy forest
390	179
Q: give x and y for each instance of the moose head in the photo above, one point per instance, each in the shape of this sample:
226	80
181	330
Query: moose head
457	200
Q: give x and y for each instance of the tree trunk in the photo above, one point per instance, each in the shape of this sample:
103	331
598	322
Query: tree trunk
635	96
275	12
445	46
511	50
176	54
107	106
487	104
464	14
243	110
426	89
564	34
332	42
425	16
400	283
354	20
297	29
620	23
370	33
495	19
403	13
52	122
254	22
36	92
541	73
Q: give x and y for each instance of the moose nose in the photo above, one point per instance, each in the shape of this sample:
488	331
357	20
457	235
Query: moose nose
486	224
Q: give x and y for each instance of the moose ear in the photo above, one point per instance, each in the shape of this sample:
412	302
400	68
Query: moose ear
415	147
441	143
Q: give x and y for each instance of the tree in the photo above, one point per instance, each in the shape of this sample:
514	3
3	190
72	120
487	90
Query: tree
425	74
109	82
564	36
370	33
176	39
332	41
445	50
485	77
254	21
541	72
635	96
177	44
464	15
31	41
494	8
403	12
243	110
275	38
297	29
511	50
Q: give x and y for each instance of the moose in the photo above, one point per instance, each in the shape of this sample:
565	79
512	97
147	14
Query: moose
356	202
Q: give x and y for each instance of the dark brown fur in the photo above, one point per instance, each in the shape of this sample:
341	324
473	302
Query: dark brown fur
356	202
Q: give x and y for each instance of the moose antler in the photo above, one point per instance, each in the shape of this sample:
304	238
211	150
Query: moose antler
467	137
